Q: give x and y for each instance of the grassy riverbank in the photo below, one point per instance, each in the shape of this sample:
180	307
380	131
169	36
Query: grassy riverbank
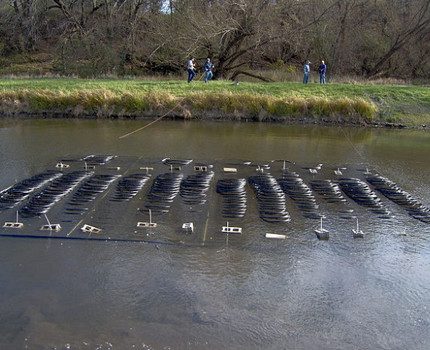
290	102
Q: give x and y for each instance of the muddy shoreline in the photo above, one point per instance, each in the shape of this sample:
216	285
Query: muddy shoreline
218	116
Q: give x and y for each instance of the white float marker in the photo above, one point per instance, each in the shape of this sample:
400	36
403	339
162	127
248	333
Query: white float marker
275	236
357	233
188	227
321	232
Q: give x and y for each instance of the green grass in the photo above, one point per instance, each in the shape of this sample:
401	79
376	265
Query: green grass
356	103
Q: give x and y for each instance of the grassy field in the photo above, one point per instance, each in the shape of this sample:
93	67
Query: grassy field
350	103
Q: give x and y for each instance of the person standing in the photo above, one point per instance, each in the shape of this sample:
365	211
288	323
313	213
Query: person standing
191	69
322	70
306	72
208	67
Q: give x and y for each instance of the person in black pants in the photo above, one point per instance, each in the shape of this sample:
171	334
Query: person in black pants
322	70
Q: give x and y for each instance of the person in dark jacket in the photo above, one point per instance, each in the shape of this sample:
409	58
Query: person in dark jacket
322	70
208	67
306	72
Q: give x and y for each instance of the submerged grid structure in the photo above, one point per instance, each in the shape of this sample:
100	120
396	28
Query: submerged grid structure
105	197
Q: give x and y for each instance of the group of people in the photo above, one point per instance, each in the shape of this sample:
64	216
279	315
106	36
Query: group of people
322	69
207	70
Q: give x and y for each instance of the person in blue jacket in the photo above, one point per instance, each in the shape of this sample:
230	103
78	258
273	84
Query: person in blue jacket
322	70
208	67
306	72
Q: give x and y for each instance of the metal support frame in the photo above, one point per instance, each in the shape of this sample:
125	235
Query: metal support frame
147	224
90	229
231	229
16	224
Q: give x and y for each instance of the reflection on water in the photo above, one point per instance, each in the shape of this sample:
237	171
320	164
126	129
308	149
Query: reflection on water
300	293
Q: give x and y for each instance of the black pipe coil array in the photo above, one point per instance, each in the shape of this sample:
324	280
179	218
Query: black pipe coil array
234	197
41	203
328	190
176	162
129	186
20	191
300	193
91	188
362	194
194	188
163	191
270	197
97	159
394	193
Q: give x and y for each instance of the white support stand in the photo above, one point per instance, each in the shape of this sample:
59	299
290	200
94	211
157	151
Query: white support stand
321	232
90	229
16	224
179	168
338	172
147	169
357	233
231	229
62	165
89	167
147	224
49	226
188	227
52	227
201	168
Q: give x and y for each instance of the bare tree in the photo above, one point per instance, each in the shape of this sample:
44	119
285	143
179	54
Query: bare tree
243	37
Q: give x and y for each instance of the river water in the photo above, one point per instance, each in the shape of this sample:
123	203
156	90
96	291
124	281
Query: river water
252	293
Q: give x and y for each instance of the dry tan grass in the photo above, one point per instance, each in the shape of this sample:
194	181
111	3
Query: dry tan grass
106	103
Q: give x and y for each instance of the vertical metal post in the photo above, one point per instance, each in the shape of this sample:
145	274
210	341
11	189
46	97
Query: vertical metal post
46	217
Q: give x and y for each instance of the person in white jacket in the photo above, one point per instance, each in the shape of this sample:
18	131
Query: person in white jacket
191	69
